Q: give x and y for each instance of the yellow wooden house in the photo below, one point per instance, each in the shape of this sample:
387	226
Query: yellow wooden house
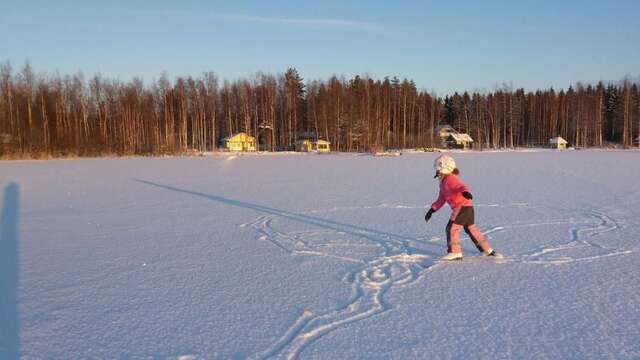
304	145
558	143
322	146
240	142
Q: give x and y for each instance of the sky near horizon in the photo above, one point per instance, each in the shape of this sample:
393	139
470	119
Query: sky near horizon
444	46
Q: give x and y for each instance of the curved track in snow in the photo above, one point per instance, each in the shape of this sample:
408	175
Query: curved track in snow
399	264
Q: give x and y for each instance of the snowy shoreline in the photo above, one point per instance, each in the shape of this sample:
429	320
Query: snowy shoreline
294	153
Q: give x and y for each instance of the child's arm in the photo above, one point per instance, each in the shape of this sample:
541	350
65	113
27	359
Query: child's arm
434	207
438	203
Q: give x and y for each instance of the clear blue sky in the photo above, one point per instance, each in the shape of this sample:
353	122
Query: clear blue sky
443	46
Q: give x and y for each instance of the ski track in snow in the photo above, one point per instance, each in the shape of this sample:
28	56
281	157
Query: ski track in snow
395	266
592	224
398	264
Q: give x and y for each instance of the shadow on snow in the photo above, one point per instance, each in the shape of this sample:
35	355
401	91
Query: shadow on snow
379	237
9	320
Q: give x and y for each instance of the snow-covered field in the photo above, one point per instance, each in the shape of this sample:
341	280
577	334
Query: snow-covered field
318	257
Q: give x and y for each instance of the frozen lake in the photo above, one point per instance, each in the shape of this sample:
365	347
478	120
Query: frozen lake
318	257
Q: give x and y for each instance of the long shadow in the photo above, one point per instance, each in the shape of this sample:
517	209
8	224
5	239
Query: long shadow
9	320
383	238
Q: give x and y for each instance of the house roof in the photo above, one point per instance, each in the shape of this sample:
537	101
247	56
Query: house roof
461	137
239	137
322	142
446	129
558	140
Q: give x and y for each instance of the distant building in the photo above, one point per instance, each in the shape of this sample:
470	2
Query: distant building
304	145
459	141
637	140
444	131
451	138
307	145
240	142
558	143
322	146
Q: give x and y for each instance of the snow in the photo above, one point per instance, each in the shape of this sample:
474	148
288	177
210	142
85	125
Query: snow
318	257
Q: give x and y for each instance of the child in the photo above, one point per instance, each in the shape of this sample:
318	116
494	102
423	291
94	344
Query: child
456	193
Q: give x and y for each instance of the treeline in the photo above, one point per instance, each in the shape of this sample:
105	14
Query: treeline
70	115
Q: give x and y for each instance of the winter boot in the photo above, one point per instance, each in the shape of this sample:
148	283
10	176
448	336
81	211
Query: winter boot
452	256
492	253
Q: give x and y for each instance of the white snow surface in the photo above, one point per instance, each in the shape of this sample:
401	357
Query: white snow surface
319	257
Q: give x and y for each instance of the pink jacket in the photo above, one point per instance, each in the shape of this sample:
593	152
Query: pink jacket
451	188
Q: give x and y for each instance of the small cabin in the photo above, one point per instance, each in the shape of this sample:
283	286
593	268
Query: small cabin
451	138
322	146
558	143
305	145
459	141
240	142
443	132
637	140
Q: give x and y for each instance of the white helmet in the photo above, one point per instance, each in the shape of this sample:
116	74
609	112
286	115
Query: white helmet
444	164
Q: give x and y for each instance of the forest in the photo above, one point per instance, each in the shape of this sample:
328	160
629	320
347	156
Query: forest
72	115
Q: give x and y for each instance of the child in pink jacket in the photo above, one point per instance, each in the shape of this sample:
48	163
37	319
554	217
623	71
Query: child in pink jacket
457	195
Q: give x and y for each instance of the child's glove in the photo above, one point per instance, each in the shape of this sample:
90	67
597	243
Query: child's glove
427	216
467	195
